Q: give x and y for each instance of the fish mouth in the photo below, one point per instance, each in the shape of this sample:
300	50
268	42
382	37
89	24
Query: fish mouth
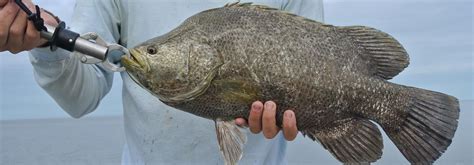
135	60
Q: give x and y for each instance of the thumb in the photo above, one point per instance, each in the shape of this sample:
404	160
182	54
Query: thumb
3	3
48	18
241	122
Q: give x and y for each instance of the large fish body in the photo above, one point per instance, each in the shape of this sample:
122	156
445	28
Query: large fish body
219	61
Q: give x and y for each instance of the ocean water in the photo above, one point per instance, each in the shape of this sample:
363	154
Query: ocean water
22	98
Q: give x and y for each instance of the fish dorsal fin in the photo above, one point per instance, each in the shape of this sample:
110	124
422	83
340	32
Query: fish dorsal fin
351	140
250	5
231	141
386	54
238	4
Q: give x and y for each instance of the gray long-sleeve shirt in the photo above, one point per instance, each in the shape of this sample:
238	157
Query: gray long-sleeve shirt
155	133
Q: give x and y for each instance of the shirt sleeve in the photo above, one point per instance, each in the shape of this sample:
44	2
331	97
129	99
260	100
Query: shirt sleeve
312	9
78	88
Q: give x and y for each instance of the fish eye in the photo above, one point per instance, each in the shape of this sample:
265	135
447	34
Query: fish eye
151	50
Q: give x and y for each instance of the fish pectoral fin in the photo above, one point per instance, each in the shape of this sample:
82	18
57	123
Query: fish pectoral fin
236	91
387	56
231	141
351	140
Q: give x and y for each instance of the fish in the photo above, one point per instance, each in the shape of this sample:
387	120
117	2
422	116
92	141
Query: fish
334	78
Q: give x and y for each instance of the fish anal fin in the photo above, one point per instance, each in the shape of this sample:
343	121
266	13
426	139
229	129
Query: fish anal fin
386	54
351	140
231	141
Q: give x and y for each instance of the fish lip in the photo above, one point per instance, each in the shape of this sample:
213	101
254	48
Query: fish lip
136	57
137	60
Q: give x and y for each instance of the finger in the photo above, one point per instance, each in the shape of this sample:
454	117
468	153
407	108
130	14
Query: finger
32	37
241	122
255	117
290	129
3	3
17	33
49	19
7	15
270	129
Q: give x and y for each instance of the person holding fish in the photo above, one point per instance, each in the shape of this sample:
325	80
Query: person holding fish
155	133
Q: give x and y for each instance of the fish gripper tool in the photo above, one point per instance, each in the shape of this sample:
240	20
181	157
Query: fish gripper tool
90	46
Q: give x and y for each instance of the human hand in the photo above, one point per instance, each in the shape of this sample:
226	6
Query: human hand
262	118
3	3
17	33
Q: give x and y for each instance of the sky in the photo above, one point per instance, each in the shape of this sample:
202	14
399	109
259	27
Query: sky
437	34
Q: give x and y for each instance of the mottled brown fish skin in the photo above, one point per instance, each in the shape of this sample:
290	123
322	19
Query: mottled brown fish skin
219	61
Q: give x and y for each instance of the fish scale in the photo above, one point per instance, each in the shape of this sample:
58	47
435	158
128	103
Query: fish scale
335	79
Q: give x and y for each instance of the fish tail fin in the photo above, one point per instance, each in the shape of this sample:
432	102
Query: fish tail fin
429	126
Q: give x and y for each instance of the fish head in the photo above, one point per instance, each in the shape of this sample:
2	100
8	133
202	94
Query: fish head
174	71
